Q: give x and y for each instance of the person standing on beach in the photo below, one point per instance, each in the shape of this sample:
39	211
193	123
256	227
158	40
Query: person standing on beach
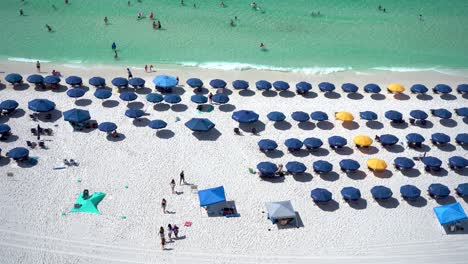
163	237
106	21
181	178
173	186
163	205
38	66
130	75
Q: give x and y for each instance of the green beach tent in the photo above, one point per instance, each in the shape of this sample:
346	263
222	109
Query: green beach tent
89	205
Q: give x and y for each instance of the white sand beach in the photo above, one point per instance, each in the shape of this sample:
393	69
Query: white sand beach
33	229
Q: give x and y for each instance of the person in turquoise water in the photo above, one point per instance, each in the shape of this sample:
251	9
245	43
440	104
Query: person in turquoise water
114	47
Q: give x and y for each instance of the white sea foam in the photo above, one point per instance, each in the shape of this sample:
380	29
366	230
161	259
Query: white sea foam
27	60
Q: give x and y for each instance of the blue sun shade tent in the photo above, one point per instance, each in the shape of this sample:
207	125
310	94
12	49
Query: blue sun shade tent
300	116
154	98
442	88
381	192
220	98
303	86
136	82
350	194
295	167
281	85
458	162
102	94
276	116
418	114
134	113
337	141
293	144
35	79
18	153
462	138
267	168
97	81
165	81
319	116
13	78
349	165
462	189
410	192
320	195
76	115
388	139
200	124
76	92
322	166
281	210
431	162
462	111
462	88
128	96
438	190
211	196
326	87
198	99
51	79
450	213
4	128
440	138
368	115
419	89
263	85
372	88
172	98
441	113
107	127
415	138
41	105
394	115
267	145
245	116
73	80
119	82
240	84
218	83
157	124
8	105
403	163
312	143
349	88
195	83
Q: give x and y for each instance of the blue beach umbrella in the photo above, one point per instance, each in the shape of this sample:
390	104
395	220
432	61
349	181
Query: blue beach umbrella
418	114
267	144
403	163
337	141
419	89
97	81
438	190
320	195
462	189
462	111
293	144
431	162
76	92
381	192
76	115
134	113
154	98
218	83
8	105
195	83
200	124
394	115
312	143
300	116
51	79
102	93
349	165
263	85
441	113
128	96
18	153
220	98
199	99
73	80
442	88
172	98
388	139
136	82
35	79
458	161
440	138
351	194
276	116
157	124
462	88
322	166
41	105
372	88
119	82
281	85
245	116
13	78
410	192
295	167
368	115
267	168
415	138
4	128
319	116
165	81
326	87
107	127
349	88
462	138
303	86
240	84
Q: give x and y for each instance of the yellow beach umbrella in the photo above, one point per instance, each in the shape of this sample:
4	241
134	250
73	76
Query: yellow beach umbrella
344	116
376	164
362	141
396	88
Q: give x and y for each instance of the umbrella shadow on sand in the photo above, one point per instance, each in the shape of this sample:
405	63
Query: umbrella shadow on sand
211	135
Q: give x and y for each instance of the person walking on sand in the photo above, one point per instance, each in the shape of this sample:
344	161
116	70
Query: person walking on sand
169	232
163	237
114	46
173	186
210	97
130	75
163	205
181	178
106	21
38	66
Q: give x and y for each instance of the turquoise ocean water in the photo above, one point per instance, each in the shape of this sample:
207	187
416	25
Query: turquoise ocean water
347	34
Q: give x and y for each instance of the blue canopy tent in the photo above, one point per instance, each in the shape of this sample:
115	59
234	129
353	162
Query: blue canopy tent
245	116
351	194
394	116
154	98
431	163
200	124
372	88
319	116
293	144
267	145
463	111
295	167
4	128
157	124
326	87
97	81
218	83
136	82
74	80
349	88
462	189
442	88
276	116
281	85
419	114
107	127
51	79
35	79
14	78
195	83
320	195
381	192
267	168
441	113
240	84
102	94
120	82
337	142
303	87
462	138
76	115
172	98
41	105
440	138
438	191
220	98
9	105
349	165
300	116
462	88
387	140
312	143
457	162
128	96
368	115
199	99
134	113
419	89
281	210
410	192
76	92
263	85
18	153
211	196
165	82
322	166
403	163
450	213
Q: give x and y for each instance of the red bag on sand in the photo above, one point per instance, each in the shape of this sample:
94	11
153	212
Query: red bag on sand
187	223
